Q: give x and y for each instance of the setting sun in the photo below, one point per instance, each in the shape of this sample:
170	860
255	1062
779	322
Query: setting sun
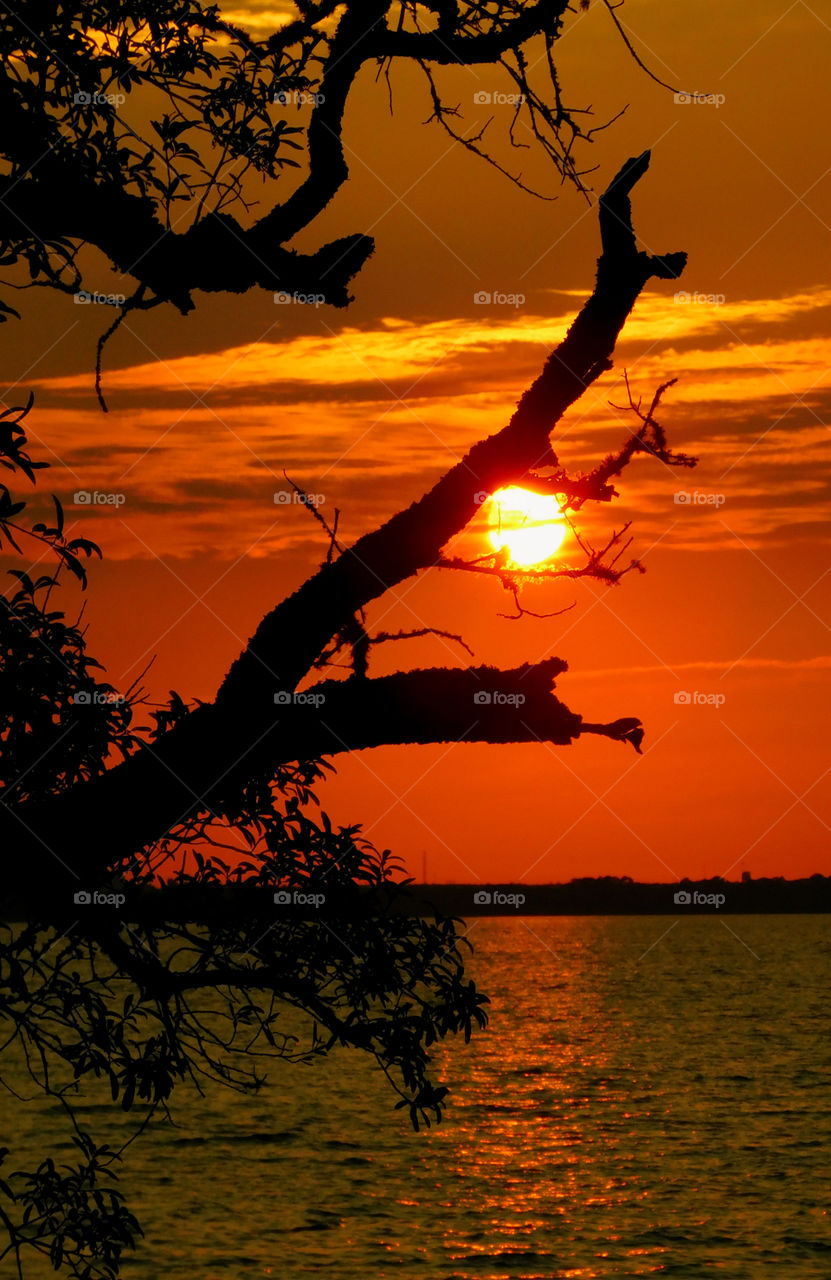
528	525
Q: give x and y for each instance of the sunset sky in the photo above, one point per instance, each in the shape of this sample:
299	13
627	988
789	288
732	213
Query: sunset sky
367	407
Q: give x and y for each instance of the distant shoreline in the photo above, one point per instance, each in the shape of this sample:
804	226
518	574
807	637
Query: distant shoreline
612	895
588	896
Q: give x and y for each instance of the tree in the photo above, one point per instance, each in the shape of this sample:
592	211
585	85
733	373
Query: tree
83	168
122	1002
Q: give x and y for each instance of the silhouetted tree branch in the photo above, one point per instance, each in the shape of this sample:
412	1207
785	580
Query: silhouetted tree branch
244	732
83	168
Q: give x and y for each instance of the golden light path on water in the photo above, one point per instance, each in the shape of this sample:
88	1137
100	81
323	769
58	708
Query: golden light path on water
647	1099
529	526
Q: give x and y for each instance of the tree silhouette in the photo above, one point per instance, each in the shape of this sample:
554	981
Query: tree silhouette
92	802
146	130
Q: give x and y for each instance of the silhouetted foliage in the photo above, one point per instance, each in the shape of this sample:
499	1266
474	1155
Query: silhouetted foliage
150	130
96	998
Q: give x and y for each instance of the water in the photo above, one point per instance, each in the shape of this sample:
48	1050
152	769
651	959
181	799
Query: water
640	1105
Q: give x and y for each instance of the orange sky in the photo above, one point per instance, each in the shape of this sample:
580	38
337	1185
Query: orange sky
369	406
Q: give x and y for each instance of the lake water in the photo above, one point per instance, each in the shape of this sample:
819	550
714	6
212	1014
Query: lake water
650	1099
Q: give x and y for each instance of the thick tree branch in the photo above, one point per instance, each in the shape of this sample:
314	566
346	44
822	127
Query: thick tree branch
290	638
217	254
54	200
100	823
355	42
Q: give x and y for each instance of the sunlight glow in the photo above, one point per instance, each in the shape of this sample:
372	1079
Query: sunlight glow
528	525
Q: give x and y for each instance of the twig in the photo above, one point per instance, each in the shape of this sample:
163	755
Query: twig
383	636
332	532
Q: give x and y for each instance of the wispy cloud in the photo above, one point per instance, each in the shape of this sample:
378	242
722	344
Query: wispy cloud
371	416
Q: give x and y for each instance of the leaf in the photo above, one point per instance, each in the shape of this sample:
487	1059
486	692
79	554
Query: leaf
59	513
84	544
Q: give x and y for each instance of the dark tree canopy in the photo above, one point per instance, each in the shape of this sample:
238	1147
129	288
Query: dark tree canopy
191	153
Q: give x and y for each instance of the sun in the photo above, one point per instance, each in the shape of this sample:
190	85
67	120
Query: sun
528	525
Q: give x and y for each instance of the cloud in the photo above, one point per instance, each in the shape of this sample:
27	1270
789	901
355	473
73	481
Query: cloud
373	416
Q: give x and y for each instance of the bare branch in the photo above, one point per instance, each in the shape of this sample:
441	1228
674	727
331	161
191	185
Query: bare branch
625	38
311	506
383	636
